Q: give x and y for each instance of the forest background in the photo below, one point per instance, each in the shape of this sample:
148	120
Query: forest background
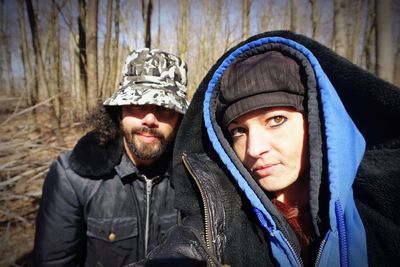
59	57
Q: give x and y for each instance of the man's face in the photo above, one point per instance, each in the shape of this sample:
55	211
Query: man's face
147	130
271	143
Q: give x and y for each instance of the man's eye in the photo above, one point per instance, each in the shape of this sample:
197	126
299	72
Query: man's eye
236	132
164	110
277	121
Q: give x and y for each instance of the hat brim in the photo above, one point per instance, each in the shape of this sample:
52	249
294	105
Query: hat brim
141	94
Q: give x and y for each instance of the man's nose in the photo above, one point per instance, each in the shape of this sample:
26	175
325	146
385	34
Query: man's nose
150	120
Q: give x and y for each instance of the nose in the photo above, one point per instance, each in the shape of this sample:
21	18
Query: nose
258	143
150	120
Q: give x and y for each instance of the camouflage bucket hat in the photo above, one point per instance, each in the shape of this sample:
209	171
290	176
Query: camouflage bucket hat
152	77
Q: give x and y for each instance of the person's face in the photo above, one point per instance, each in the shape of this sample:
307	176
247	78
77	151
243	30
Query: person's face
147	130
271	143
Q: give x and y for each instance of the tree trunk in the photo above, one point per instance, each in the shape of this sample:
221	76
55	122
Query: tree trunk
56	66
6	54
397	65
106	51
182	28
293	15
340	35
91	54
384	40
265	17
314	19
245	18
2	48
357	34
158	40
115	48
26	60
83	83
369	49
147	10
217	29
36	50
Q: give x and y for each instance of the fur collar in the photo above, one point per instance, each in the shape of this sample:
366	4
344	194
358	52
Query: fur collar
91	159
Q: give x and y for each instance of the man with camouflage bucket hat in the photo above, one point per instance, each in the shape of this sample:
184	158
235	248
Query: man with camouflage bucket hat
109	201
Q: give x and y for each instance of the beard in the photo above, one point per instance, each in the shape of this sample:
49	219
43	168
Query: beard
146	151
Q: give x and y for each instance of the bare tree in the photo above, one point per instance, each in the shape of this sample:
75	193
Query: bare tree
246	4
217	29
2	48
397	65
314	18
183	28
340	33
91	53
26	60
106	51
369	44
384	40
55	47
293	15
357	36
265	16
115	49
39	66
158	40
83	84
147	10
6	53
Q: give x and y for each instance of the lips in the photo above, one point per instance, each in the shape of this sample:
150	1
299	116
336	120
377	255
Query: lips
264	170
148	138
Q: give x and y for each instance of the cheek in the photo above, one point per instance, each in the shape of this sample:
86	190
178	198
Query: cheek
240	150
128	122
299	154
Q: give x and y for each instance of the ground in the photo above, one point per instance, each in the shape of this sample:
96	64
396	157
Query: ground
27	148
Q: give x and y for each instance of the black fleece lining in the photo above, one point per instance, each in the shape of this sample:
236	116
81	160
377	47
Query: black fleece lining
94	160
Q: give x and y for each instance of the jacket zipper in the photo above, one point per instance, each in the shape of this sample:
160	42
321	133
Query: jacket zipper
207	233
321	247
297	257
149	185
342	234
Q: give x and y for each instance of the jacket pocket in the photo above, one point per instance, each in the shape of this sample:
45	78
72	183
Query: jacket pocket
112	241
112	229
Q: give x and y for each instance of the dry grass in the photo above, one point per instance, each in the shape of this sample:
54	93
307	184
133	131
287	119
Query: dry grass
27	148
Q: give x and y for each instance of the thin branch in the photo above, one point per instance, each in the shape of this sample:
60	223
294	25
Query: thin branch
29	109
22	175
13	215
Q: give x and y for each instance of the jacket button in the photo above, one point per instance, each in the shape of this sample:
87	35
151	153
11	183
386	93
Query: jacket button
111	237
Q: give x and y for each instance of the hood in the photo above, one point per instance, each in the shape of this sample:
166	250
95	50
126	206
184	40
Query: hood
345	109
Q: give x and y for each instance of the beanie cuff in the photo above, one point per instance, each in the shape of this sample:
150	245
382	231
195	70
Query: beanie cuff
263	100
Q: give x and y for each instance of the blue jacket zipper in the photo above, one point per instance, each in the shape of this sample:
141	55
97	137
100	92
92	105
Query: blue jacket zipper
344	261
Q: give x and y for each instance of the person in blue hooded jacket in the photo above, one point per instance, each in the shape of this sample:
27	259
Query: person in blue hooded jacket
289	155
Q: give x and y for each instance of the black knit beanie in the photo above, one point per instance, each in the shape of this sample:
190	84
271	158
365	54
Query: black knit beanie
270	79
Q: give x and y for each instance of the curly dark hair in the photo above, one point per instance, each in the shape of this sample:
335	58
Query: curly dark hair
105	121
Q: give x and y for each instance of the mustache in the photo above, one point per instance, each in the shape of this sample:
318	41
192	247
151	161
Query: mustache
147	130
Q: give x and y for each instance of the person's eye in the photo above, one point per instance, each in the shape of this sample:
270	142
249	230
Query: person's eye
236	132
277	121
164	110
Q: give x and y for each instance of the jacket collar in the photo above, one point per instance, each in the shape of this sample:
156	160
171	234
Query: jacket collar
92	159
